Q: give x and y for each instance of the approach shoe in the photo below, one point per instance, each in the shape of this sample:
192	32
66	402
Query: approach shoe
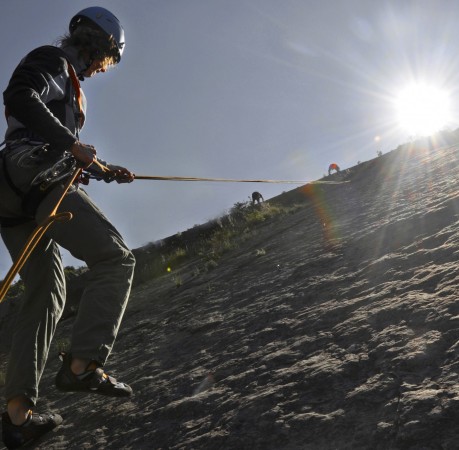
92	381
36	425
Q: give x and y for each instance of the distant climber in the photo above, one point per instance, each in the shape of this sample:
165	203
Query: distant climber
257	197
333	166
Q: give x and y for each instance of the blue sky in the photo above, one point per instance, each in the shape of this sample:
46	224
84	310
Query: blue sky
240	89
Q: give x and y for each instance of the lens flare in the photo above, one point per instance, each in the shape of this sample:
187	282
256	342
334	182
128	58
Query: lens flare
422	109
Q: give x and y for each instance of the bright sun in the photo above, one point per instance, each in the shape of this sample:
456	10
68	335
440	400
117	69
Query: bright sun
422	109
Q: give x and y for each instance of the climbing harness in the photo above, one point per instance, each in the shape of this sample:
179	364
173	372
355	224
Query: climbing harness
37	234
57	172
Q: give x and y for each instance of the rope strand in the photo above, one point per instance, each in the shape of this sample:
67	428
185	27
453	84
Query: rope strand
229	180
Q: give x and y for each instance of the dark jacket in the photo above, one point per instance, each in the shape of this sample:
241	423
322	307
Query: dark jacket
40	100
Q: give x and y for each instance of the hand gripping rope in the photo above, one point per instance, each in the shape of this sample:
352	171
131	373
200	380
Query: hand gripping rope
54	216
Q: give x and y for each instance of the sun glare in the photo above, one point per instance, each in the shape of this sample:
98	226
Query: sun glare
422	109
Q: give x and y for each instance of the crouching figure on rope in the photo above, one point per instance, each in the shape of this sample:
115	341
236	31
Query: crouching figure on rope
45	109
333	167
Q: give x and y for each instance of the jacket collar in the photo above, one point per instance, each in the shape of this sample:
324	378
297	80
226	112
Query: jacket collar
76	61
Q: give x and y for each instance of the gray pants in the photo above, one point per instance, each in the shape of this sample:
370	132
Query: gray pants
89	236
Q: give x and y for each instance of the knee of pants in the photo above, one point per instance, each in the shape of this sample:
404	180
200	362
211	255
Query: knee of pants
121	257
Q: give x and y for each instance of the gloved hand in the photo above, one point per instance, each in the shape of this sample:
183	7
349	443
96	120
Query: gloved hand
119	174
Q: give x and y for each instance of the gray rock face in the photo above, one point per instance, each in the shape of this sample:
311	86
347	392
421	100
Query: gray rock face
342	333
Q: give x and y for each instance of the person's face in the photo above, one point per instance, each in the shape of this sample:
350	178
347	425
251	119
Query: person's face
96	66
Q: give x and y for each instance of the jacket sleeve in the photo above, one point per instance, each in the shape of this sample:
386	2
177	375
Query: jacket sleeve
40	78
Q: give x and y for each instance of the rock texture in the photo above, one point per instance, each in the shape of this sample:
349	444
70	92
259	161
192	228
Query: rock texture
334	326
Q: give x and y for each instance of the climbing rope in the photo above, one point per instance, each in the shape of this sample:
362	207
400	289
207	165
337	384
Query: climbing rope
108	175
108	171
230	180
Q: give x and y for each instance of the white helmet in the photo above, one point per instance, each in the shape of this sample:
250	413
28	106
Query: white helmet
105	20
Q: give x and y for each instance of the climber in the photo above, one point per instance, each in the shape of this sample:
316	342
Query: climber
257	197
45	111
333	167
